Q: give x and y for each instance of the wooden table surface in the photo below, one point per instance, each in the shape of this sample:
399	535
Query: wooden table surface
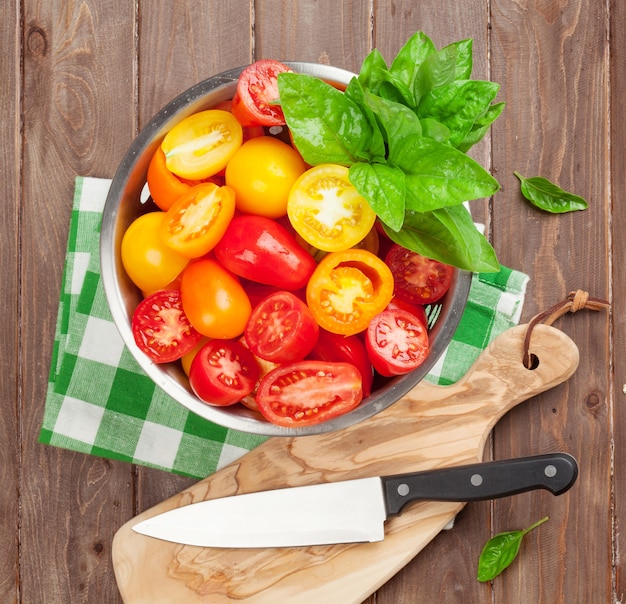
80	78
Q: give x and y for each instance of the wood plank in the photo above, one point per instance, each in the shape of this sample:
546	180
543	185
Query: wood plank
10	100
78	65
543	54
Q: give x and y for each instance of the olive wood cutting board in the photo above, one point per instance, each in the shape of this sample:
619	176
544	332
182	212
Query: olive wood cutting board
431	427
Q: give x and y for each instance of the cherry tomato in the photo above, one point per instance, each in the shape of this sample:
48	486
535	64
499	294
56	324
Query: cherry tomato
262	172
223	372
200	145
147	260
306	393
345	349
161	329
257	88
347	289
248	131
418	279
415	309
397	342
188	357
214	300
326	209
197	221
264	368
165	187
281	329
262	250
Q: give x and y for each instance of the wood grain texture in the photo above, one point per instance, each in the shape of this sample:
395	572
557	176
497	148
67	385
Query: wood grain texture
431	427
81	77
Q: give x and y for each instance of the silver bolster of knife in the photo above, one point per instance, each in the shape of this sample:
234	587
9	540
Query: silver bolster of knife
555	472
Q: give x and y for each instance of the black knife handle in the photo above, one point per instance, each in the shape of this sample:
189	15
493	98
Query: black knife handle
555	472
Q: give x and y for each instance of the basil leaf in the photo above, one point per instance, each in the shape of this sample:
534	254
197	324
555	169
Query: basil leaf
549	197
448	235
458	105
355	92
438	175
500	551
383	186
397	120
481	126
410	57
327	127
464	62
435	130
438	69
373	70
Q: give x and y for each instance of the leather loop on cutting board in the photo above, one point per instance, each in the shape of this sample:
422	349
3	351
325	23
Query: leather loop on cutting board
575	301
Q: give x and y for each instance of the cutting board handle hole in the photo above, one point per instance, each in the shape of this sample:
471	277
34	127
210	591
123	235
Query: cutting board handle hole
533	361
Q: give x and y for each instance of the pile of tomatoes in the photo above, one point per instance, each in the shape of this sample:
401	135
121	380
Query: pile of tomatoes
268	278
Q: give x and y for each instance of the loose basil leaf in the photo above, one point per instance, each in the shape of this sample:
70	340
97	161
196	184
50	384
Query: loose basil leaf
397	120
481	127
438	175
458	105
549	197
438	69
327	127
448	235
410	57
383	186
500	551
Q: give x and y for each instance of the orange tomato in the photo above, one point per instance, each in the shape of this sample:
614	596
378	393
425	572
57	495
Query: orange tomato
197	221
327	211
213	300
262	172
200	145
348	289
165	187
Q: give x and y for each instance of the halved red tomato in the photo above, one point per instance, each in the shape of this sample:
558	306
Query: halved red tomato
161	329
345	349
262	250
418	279
347	289
200	145
415	309
223	372
327	211
397	342
257	88
281	329
197	221
306	393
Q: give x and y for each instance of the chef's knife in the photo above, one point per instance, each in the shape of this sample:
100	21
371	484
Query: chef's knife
350	511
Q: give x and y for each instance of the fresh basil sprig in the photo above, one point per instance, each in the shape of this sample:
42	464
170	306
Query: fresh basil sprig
403	131
549	197
500	551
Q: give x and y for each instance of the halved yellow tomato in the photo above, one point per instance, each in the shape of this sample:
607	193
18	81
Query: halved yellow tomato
327	211
200	145
348	289
197	221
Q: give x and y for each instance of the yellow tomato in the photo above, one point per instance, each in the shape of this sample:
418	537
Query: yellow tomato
148	261
262	172
327	211
200	145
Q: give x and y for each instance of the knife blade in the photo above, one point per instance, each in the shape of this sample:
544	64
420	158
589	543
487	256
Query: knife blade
350	511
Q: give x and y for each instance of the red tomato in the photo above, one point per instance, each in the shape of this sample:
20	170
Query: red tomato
335	348
198	219
223	372
397	342
348	289
415	309
214	300
161	329
260	249
257	87
418	279
306	393
281	329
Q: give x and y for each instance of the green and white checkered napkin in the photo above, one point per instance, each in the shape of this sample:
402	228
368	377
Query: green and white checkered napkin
99	400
